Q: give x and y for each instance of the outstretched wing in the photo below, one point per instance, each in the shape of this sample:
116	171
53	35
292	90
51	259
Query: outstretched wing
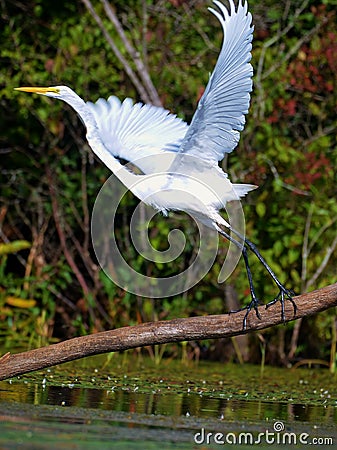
138	133
219	117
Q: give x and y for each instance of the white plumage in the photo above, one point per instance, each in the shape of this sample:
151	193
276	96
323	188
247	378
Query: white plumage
137	132
180	163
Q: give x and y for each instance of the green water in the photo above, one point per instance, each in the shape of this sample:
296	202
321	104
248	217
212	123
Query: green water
129	402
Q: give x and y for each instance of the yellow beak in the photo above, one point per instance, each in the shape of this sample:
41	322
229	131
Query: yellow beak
38	90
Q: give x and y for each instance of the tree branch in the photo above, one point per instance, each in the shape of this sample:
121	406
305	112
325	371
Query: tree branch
127	67
161	332
62	237
328	253
135	55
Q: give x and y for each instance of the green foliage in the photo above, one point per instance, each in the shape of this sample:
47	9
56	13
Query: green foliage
50	179
13	247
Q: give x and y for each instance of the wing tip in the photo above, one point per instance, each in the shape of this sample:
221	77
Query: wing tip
230	12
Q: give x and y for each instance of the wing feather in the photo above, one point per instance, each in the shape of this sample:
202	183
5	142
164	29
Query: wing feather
219	117
138	133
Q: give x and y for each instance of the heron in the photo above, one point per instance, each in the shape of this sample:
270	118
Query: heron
175	157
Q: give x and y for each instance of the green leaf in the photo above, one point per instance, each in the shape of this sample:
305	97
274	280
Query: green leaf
14	247
261	209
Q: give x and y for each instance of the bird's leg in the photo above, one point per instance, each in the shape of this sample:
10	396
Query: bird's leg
284	293
254	300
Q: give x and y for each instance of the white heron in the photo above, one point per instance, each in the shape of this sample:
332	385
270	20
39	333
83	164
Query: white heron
183	157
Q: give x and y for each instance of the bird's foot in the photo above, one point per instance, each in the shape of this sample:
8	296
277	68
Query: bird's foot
254	303
282	296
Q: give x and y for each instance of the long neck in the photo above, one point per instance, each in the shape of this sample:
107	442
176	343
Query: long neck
97	145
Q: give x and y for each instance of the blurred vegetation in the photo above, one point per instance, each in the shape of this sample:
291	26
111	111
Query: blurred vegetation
51	287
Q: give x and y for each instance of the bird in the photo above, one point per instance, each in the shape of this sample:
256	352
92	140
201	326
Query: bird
174	157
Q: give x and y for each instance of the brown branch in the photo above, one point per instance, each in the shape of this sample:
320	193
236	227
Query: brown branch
294	49
135	55
127	67
60	232
152	333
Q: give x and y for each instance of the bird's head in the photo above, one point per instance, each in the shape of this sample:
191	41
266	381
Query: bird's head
60	92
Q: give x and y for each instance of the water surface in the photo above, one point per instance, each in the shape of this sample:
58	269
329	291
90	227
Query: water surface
125	401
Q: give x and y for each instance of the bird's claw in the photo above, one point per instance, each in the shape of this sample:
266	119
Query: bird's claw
284	294
252	305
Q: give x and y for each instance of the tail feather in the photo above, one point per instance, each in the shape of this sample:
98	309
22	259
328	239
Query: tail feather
242	189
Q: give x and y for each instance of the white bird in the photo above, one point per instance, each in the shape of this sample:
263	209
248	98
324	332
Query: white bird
176	158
